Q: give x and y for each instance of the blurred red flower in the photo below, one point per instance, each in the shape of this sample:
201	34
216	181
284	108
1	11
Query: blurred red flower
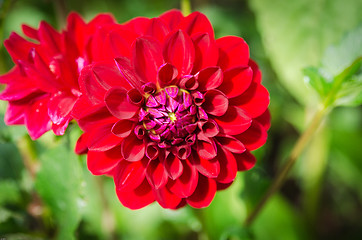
43	86
168	111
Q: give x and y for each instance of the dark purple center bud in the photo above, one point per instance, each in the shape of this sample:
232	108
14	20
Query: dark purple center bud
169	116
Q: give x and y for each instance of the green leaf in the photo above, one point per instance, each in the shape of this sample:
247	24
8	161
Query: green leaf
59	183
295	35
314	77
350	93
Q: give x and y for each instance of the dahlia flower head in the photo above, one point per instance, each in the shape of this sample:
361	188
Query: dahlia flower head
43	86
167	110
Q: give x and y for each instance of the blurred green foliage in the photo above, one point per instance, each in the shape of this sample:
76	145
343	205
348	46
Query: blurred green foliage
46	192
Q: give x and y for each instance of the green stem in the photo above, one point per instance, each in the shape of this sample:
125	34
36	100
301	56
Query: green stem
186	7
297	150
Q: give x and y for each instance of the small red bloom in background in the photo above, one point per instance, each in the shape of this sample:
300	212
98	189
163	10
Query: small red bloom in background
43	86
169	111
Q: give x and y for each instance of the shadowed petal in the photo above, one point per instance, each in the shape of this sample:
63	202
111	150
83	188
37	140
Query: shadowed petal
133	149
233	52
264	119
123	128
157	29
166	198
173	166
137	198
100	163
147	58
230	143
254	101
186	184
209	168
196	23
129	175
102	139
179	51
236	81
206	52
204	193
216	103
234	121
59	106
81	146
172	18
156	174
245	161
228	166
254	137
209	78
36	118
118	104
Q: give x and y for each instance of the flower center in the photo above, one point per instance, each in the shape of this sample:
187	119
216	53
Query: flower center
169	116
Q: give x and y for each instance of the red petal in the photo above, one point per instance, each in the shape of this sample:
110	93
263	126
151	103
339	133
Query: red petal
210	128
50	38
173	166
234	121
95	117
137	198
206	147
81	146
157	29
129	175
172	18
15	113
59	107
195	23
30	32
138	25
123	128
209	168
17	90
133	149
264	119
166	198
100	163
256	71
147	58
59	129
96	79
119	105
231	144
102	139
255	100
206	52
204	193
18	47
254	137
236	81
209	78
216	103
126	69
36	118
245	161
233	52
156	174
179	51
228	166
167	74
186	184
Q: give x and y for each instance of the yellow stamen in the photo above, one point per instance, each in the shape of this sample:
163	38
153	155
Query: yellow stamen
172	116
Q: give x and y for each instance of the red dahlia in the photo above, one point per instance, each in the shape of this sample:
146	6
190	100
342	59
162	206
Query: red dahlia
175	114
43	86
